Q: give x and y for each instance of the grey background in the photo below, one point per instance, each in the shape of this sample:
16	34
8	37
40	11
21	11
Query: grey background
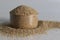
47	9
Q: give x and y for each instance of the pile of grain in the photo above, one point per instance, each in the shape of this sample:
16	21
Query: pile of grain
24	17
41	28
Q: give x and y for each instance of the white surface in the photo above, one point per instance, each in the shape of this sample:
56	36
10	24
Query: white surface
48	10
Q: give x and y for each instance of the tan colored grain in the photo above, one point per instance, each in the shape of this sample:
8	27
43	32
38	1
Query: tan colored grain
24	17
23	10
41	28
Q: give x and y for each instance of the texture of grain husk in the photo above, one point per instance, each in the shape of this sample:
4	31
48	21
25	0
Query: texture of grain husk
24	17
23	10
41	28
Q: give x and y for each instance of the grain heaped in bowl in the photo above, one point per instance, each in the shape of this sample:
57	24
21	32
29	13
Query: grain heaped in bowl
24	17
